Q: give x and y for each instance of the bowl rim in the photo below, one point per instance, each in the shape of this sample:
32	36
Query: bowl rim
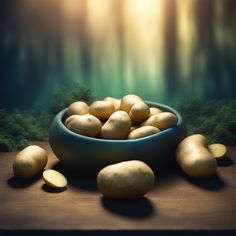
179	123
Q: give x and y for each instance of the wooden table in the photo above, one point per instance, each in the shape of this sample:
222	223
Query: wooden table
176	204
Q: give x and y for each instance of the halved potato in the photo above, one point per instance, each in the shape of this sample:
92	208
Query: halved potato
54	179
217	150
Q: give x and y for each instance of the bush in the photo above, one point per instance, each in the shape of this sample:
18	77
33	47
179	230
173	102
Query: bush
67	94
18	126
215	119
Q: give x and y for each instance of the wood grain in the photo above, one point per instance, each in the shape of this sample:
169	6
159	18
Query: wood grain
176	203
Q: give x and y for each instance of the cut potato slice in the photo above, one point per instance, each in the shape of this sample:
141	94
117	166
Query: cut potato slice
217	150
54	179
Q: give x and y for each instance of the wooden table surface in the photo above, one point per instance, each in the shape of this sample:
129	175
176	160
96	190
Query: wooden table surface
176	203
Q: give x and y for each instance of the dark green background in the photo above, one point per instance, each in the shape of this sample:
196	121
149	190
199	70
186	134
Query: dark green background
177	52
162	50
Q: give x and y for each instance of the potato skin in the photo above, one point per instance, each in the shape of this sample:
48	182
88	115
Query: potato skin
128	179
117	126
69	119
128	101
154	111
133	128
78	108
102	109
194	157
29	162
162	121
87	125
143	132
115	101
139	112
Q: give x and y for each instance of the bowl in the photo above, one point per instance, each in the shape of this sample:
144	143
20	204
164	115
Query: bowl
89	155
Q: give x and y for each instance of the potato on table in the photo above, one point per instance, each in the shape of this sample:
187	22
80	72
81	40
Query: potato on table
217	150
128	179
194	158
30	161
54	179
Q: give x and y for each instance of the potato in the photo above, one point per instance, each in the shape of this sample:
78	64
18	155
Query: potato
102	109
162	121
78	108
87	125
69	119
128	179
154	111
115	101
117	126
194	157
217	150
30	161
143	132
133	127
128	101
54	179
139	112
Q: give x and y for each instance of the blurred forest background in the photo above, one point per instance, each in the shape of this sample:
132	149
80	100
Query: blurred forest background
178	52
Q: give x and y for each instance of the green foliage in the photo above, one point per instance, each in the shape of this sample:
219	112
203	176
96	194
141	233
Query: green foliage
67	94
17	126
215	119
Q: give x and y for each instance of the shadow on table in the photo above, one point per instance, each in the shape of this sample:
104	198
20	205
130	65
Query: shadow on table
225	162
174	175
76	180
48	189
168	177
215	183
132	208
15	182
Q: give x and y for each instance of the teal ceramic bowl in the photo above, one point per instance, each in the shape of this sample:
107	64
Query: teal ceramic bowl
89	155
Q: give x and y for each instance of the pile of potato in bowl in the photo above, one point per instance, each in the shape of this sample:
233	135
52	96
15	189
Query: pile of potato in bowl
116	119
89	137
